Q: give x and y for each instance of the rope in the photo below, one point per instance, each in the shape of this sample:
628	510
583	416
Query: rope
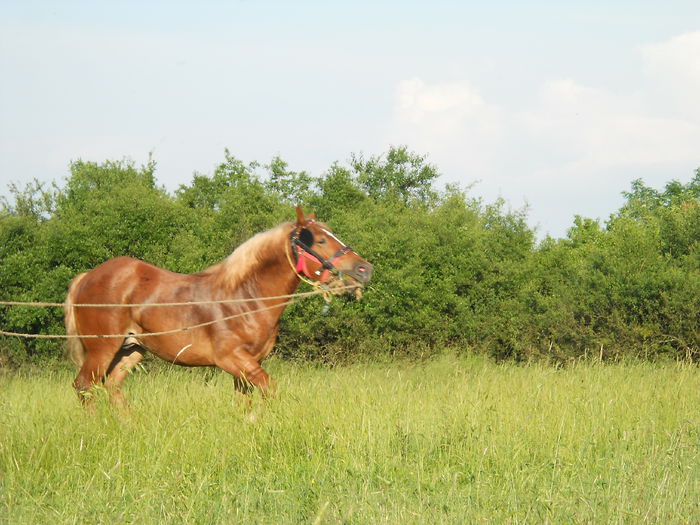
133	305
292	298
150	334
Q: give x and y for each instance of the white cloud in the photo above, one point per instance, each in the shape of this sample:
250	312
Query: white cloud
673	67
416	100
575	148
604	129
447	119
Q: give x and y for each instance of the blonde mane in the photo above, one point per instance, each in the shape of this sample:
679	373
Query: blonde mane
261	249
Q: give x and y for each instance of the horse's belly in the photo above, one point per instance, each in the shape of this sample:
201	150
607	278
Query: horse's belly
186	351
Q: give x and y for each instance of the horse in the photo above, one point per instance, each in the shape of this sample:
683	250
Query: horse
227	315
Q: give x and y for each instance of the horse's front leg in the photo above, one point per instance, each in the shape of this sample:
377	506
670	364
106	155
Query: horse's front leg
246	370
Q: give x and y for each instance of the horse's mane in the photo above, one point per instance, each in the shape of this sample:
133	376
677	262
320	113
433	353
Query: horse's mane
259	250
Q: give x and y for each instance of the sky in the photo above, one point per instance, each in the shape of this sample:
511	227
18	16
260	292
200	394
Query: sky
556	106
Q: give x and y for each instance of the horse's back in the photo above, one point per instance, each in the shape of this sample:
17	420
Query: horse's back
115	280
125	280
126	265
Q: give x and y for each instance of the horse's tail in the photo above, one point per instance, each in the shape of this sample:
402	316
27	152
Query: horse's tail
75	350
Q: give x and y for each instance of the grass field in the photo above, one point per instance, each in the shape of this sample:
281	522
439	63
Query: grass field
454	440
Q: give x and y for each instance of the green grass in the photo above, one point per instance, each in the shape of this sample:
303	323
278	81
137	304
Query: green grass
454	440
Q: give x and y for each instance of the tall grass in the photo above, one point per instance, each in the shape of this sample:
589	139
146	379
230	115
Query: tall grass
453	440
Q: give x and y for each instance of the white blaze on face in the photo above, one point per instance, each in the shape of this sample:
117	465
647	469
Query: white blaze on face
330	234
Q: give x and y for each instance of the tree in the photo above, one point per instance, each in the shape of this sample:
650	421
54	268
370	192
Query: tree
291	186
401	174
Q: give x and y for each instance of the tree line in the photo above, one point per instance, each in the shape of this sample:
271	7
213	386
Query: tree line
450	269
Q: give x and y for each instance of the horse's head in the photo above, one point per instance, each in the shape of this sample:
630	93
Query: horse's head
322	257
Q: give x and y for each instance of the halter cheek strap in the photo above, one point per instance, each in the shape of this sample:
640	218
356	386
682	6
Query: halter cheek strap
302	256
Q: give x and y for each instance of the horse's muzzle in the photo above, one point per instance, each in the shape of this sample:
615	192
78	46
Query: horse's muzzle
361	272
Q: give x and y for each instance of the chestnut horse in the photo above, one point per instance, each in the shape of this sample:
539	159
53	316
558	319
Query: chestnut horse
246	292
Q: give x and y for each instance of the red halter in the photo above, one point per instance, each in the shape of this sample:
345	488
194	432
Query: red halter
303	253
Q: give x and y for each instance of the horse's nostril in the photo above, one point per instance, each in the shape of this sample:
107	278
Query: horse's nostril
363	272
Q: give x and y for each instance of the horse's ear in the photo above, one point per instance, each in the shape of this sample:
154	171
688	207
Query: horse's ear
312	216
300	216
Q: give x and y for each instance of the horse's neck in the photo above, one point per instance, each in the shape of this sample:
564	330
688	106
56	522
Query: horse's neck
276	279
260	269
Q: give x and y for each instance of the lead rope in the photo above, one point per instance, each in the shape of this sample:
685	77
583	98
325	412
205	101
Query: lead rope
149	334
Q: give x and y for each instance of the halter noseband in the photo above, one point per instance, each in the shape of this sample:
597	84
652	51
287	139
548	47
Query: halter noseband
302	253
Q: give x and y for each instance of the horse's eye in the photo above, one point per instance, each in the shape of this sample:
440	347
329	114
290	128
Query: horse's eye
322	240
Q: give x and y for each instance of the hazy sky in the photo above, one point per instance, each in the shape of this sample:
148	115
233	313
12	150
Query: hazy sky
555	104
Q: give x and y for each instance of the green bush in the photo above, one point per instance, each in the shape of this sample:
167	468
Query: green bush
450	270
